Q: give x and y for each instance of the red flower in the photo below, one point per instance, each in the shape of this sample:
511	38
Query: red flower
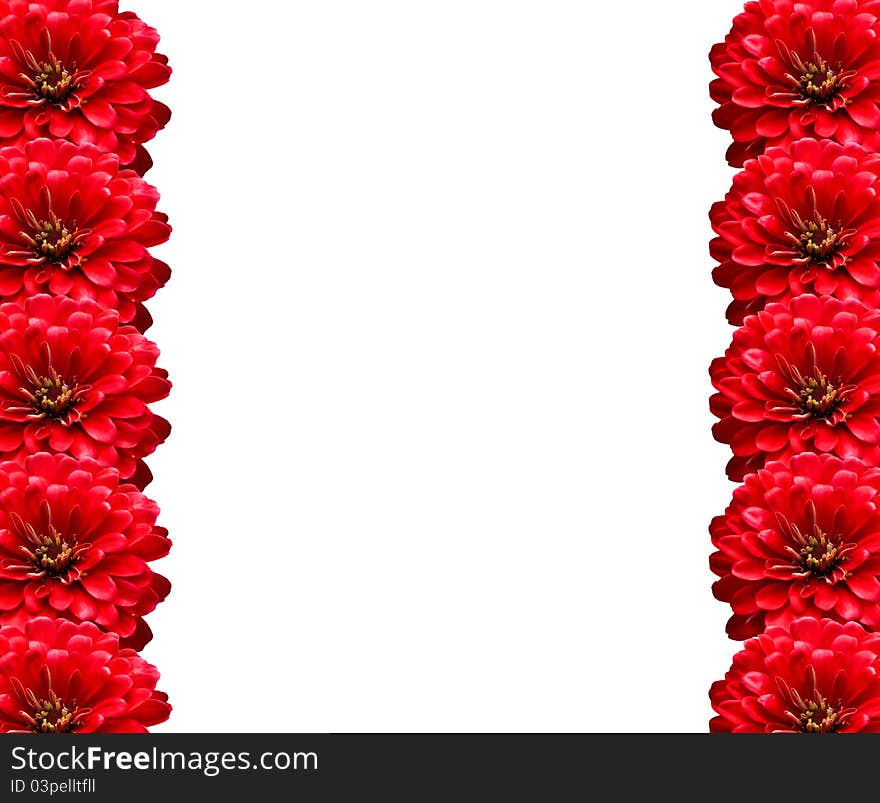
818	677
801	539
61	677
800	219
80	70
73	380
74	543
800	376
797	68
73	223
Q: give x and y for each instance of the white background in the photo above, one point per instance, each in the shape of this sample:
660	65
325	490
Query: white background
439	329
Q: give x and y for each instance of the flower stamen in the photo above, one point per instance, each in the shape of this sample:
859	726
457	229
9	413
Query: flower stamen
815	81
819	81
817	395
52	715
814	553
818	716
51	240
53	555
813	393
814	238
51	395
51	81
813	713
819	242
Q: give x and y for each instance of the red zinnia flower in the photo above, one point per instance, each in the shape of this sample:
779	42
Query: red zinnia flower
801	539
800	376
796	68
61	677
820	676
74	543
80	70
800	219
73	223
73	380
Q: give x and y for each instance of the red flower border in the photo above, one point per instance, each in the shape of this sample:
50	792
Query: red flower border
798	391
77	374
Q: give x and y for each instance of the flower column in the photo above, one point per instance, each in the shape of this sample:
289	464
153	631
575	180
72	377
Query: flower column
798	391
77	373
